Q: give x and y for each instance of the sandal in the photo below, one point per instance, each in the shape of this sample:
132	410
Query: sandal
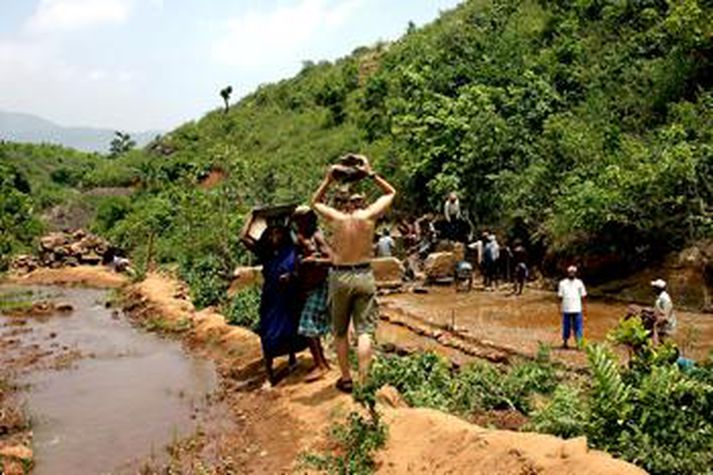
345	386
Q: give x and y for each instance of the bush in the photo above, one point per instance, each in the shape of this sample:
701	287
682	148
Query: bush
244	308
110	211
356	440
207	278
564	415
426	380
653	414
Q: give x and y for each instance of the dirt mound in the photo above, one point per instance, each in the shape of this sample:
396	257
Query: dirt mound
431	442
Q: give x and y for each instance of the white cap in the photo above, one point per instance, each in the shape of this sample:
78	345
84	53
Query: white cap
572	269
659	283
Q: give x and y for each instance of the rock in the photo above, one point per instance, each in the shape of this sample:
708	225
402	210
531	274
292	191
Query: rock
91	259
64	307
387	269
459	251
78	234
53	240
18	452
440	265
389	396
77	249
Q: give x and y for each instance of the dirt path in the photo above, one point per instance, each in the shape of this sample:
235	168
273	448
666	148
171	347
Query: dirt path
86	276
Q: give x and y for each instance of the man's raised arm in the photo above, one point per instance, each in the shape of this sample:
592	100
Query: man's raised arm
317	203
379	207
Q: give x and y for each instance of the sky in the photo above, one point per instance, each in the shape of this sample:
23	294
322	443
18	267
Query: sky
154	64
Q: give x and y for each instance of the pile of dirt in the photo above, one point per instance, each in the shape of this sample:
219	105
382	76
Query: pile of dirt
64	249
428	441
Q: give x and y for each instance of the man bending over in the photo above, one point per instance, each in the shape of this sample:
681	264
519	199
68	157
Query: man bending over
352	288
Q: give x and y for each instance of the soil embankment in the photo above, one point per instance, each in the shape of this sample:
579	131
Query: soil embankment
85	276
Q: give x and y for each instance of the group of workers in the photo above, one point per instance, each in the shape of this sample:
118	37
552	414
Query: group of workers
312	287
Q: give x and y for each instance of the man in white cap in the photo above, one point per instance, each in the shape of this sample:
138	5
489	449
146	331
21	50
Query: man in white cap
663	311
572	292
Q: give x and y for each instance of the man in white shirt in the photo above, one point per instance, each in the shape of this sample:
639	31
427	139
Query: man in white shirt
572	292
385	244
663	311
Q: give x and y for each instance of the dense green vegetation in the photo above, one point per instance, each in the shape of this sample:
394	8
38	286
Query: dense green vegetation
652	412
36	178
583	127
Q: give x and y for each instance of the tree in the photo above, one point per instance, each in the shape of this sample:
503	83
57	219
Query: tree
225	94
120	144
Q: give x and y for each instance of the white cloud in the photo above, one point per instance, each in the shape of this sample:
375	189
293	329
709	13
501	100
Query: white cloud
64	15
260	38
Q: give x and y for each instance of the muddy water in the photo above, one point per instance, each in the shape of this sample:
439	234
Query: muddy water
128	396
522	322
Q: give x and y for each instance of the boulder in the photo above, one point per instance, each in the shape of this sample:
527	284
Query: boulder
387	269
91	258
78	234
244	277
18	452
459	251
64	307
53	241
389	396
440	265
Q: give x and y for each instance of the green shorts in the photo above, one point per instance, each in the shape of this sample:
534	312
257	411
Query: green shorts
352	295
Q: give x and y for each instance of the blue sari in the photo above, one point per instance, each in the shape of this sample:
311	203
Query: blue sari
279	305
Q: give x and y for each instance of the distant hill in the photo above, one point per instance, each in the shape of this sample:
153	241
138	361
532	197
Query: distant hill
20	127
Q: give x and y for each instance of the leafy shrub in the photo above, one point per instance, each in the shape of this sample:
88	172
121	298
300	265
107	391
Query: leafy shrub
426	380
357	440
564	415
109	212
207	278
243	308
652	414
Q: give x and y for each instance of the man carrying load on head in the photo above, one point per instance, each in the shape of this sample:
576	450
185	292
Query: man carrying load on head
352	288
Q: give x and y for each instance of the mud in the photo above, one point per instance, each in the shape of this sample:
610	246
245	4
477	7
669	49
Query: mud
120	396
518	324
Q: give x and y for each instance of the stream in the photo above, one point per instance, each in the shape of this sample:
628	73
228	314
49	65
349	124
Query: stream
124	396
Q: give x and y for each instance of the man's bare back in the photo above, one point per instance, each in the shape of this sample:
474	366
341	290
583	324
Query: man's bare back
351	238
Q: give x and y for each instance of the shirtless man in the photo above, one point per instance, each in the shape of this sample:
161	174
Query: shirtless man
352	288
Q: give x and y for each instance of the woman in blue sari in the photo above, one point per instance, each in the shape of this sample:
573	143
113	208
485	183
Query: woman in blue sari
279	305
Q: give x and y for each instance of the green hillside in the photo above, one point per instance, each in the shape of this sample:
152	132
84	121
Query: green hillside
584	127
